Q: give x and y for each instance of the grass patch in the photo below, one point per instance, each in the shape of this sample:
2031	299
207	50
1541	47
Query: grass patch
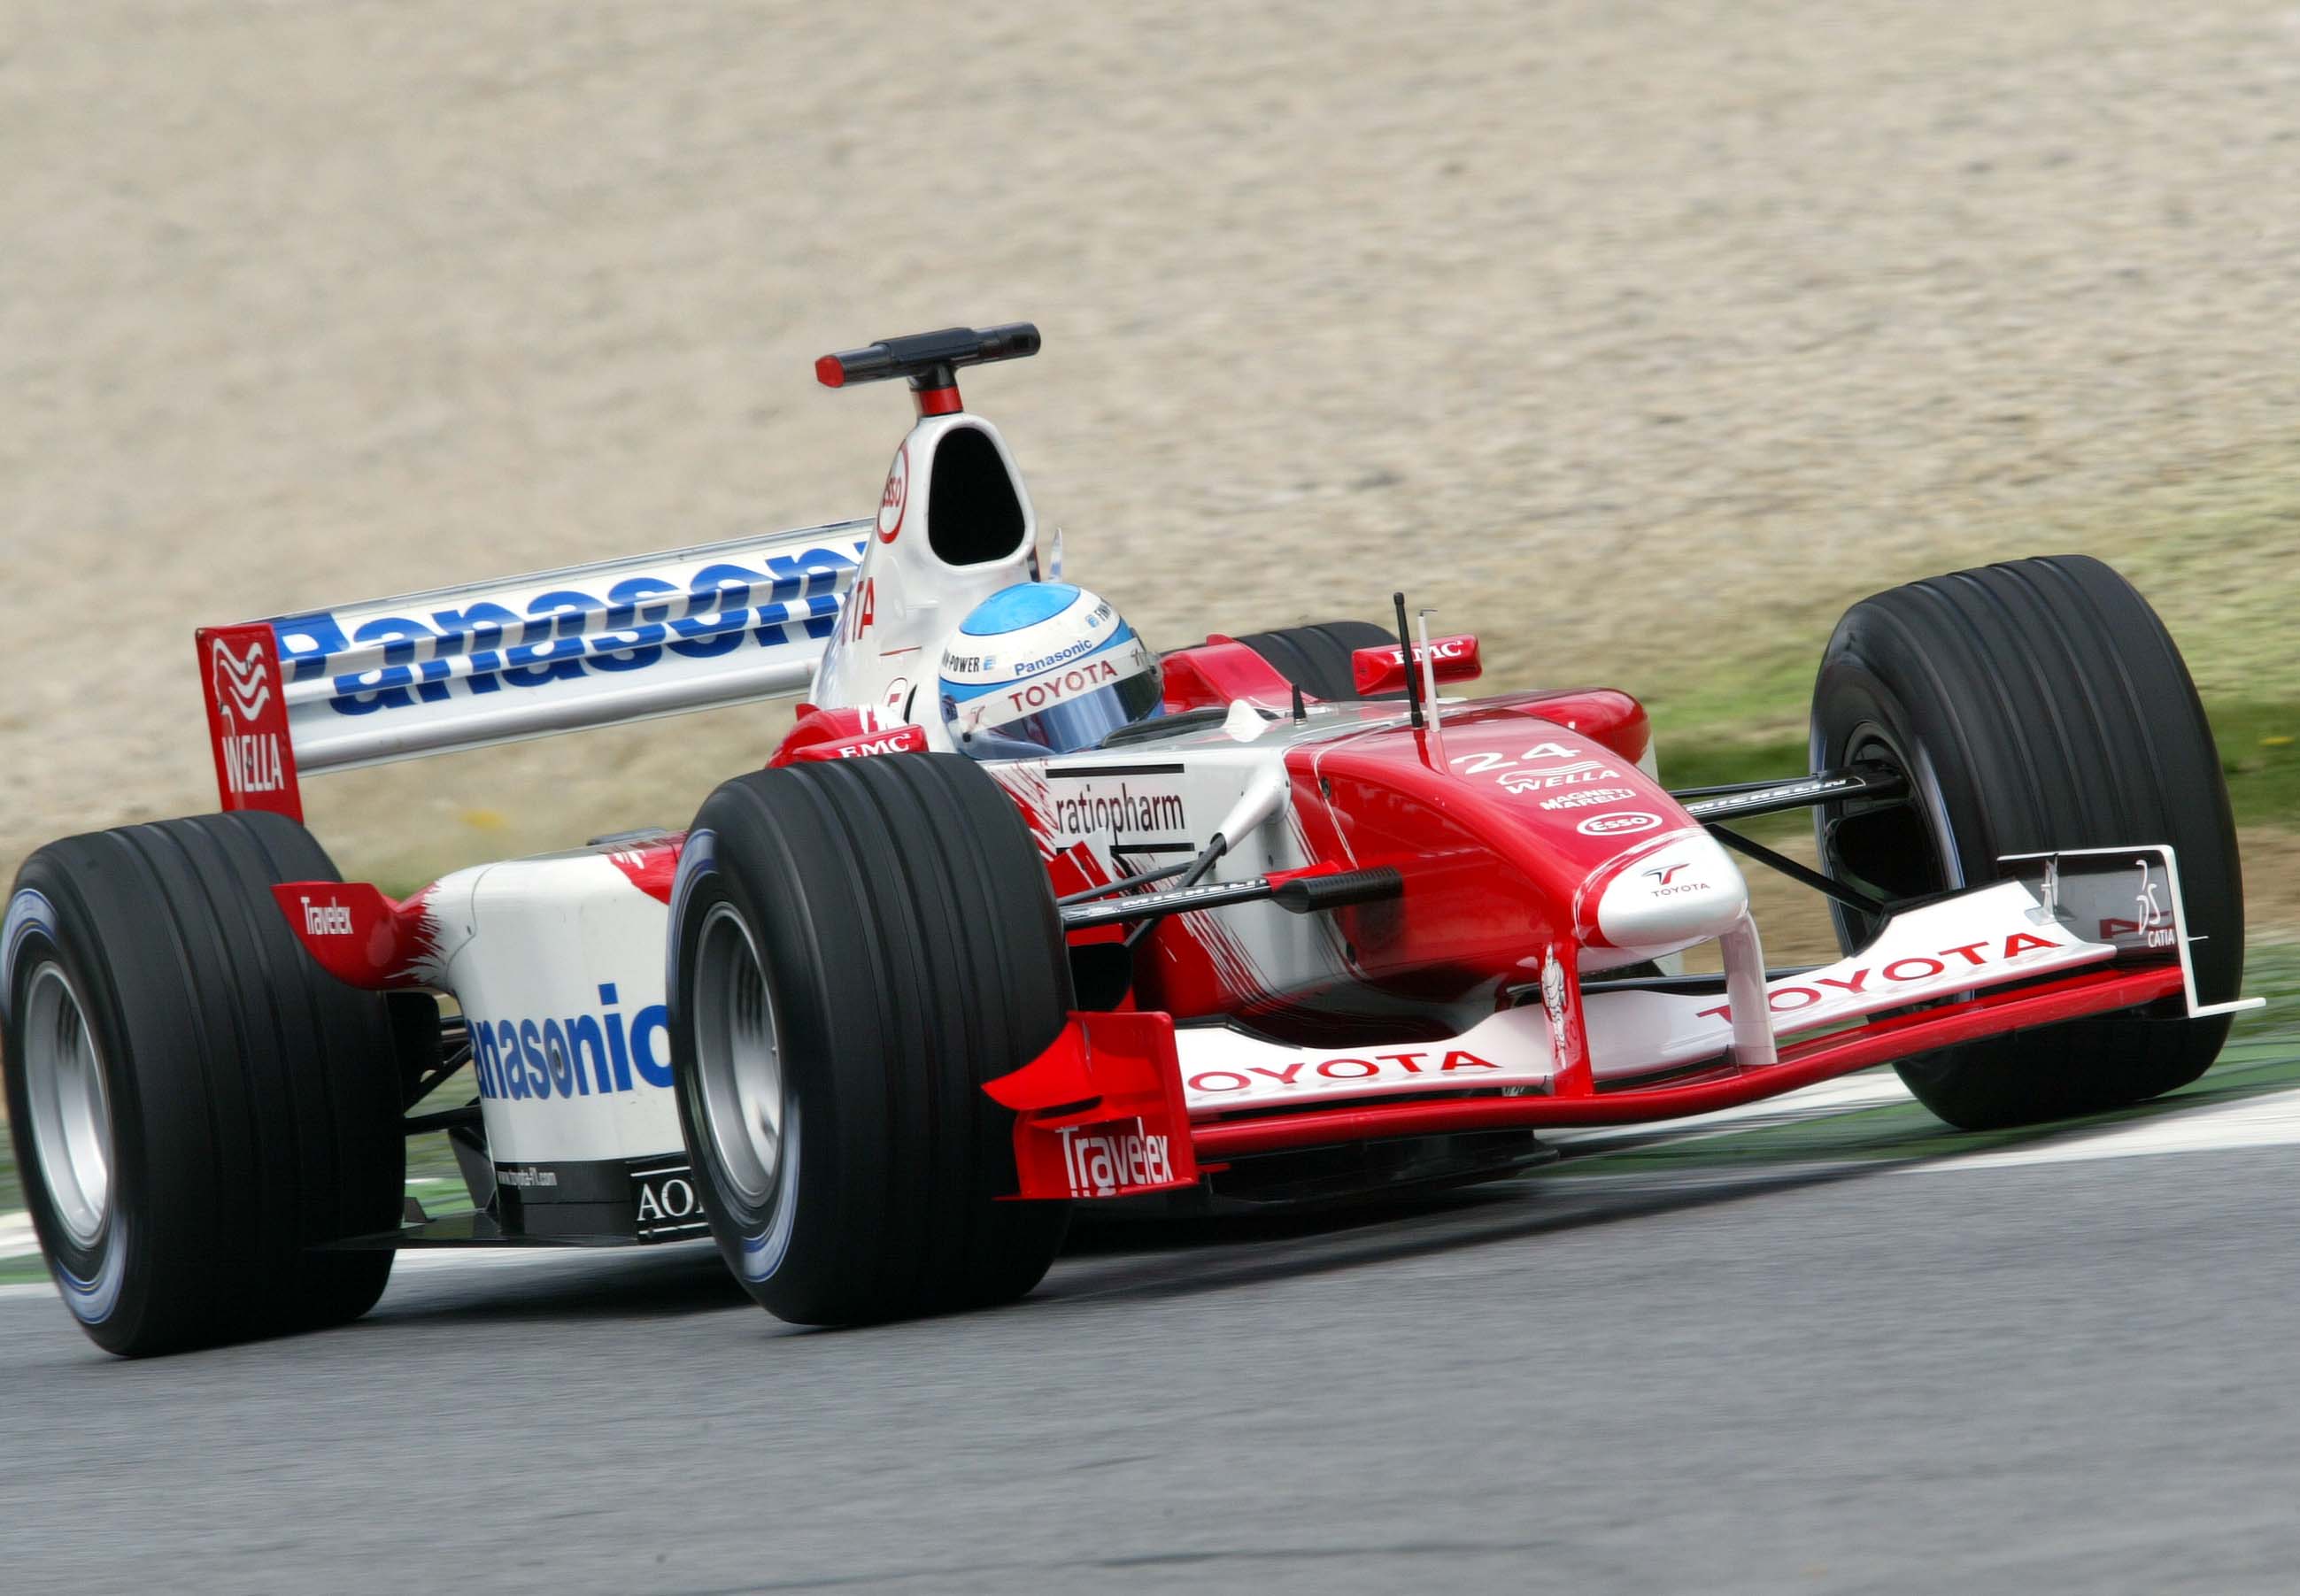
2260	754
2272	969
2215	548
433	1178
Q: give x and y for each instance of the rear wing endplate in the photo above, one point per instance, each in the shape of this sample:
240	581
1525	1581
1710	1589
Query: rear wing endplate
524	656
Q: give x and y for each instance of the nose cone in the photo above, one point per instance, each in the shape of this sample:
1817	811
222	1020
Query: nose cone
1686	890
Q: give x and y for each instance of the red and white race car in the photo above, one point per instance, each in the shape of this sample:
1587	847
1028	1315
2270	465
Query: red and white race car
1287	922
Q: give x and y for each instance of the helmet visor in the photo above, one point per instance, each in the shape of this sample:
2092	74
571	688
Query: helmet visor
1064	700
1082	722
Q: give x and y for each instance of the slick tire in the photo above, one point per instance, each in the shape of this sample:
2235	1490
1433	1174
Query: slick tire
2033	706
195	1103
1316	659
858	946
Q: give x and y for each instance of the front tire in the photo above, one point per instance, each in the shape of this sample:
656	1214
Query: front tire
2034	705
195	1105
858	946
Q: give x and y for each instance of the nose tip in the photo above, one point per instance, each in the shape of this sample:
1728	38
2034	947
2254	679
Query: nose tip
1685	891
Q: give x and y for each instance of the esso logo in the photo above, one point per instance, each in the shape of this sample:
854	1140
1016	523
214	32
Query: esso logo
898	488
1635	819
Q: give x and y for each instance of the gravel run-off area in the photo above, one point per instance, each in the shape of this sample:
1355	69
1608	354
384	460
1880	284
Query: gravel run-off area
1640	339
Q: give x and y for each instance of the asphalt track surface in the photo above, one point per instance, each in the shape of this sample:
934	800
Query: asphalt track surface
2072	1370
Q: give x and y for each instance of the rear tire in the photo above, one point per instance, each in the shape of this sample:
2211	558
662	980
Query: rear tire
1316	659
195	1103
2033	706
858	946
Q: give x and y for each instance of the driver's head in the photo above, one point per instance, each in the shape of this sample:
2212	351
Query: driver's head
1043	668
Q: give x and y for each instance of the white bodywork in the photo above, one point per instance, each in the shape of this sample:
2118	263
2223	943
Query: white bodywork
558	965
905	600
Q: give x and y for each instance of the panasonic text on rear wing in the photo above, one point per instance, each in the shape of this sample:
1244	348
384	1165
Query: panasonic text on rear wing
524	656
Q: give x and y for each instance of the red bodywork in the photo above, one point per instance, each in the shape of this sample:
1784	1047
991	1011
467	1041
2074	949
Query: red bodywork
1495	884
1493	881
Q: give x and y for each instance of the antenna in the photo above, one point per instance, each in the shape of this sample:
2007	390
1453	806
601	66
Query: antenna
1430	687
1405	654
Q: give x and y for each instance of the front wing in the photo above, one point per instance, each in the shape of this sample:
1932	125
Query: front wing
1123	1104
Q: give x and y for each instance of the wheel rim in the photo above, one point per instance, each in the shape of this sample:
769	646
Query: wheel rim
738	1055
1899	848
70	1111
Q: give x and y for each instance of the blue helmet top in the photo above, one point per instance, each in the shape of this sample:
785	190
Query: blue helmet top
1043	668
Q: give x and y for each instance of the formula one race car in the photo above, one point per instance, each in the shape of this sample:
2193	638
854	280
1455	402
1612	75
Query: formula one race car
1022	915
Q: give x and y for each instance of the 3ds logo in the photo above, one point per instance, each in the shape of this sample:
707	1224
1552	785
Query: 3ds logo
2151	923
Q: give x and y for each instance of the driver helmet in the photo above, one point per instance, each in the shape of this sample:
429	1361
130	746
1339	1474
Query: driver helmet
1043	668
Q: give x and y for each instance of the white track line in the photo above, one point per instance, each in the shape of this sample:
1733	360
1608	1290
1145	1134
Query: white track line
2270	1121
424	1260
418	1261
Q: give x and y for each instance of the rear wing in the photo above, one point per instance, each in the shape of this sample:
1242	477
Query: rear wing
525	656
